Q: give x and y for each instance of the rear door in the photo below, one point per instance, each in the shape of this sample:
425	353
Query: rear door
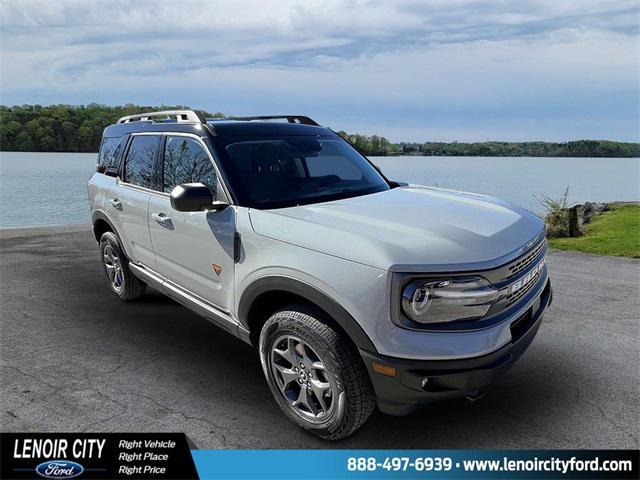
128	200
194	250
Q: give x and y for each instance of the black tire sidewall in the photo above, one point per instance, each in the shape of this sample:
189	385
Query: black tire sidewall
281	324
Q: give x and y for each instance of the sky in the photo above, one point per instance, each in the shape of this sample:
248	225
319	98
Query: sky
409	70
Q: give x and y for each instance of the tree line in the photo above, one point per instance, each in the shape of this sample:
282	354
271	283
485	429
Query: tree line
576	148
374	145
68	128
63	128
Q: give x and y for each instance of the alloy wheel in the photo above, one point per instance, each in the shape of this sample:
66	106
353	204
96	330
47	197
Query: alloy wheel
302	378
114	268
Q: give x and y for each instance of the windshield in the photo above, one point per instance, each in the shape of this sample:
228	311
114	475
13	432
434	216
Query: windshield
294	170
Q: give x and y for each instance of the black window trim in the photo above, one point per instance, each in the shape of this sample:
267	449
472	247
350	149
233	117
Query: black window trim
113	169
159	163
225	189
100	152
122	168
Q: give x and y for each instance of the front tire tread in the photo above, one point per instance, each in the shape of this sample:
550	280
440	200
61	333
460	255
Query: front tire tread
311	323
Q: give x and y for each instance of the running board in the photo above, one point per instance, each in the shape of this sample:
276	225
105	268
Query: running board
191	301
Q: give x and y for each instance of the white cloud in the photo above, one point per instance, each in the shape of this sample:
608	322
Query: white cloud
463	69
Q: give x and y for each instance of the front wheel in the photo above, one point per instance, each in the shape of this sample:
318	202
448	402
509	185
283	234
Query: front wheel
314	373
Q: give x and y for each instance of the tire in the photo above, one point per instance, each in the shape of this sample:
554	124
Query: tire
332	412
116	266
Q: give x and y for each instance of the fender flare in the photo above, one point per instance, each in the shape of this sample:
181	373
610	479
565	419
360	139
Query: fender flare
100	215
291	285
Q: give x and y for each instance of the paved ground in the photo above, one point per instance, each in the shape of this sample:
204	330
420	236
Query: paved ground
73	357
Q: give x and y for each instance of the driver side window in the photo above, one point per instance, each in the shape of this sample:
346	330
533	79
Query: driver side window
186	161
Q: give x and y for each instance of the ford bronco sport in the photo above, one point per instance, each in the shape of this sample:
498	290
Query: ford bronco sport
357	291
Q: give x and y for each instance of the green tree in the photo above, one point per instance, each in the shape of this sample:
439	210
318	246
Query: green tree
24	143
68	128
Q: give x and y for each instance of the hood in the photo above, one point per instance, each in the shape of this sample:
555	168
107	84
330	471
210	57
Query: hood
407	228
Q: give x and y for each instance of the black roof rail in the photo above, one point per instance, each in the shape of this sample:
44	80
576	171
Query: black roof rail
290	118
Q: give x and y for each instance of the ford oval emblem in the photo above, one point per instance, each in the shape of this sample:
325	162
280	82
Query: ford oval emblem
59	469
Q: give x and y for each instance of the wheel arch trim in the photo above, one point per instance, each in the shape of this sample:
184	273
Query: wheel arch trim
99	215
297	287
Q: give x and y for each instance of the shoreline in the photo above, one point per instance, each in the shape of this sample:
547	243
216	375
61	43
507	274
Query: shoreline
13	232
388	155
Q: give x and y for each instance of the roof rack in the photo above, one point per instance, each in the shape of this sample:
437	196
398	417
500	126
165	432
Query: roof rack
290	118
194	116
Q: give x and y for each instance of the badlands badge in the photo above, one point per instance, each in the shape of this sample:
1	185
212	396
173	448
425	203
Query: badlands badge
527	279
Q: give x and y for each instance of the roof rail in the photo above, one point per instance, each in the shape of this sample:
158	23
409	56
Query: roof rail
290	118
180	116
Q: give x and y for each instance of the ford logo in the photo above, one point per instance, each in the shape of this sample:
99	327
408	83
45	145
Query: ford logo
59	469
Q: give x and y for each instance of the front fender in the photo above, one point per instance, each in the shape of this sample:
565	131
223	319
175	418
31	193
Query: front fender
304	290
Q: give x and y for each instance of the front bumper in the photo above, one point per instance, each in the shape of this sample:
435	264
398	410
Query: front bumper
418	382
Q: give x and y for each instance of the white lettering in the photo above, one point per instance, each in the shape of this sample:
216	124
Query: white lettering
84	448
532	275
59	470
159	444
40	448
130	444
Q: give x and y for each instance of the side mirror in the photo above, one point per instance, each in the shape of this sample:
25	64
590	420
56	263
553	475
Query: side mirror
194	197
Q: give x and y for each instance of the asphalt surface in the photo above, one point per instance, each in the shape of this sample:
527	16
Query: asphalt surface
76	358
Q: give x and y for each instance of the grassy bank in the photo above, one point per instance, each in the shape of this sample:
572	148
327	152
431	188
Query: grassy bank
616	232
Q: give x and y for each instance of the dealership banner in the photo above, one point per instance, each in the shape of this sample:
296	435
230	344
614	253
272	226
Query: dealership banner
96	455
409	464
173	456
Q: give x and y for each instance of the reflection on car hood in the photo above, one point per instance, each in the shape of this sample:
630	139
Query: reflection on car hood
407	228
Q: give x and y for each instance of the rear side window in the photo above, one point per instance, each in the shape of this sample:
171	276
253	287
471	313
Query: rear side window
140	163
109	153
186	161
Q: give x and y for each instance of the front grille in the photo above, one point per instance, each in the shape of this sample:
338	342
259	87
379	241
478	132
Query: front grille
517	295
526	260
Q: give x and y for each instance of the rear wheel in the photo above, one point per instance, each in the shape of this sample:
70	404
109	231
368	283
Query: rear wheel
116	265
314	373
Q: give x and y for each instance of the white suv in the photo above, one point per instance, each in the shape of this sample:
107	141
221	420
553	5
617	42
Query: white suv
357	290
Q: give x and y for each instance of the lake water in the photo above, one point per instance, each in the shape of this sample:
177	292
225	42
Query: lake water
45	189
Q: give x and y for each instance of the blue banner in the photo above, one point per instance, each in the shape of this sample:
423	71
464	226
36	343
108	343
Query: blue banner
409	464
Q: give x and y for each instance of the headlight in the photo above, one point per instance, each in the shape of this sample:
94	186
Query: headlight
446	300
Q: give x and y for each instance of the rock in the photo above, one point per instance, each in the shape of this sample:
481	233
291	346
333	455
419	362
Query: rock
588	210
558	221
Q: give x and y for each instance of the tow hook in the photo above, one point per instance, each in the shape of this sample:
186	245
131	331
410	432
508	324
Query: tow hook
473	396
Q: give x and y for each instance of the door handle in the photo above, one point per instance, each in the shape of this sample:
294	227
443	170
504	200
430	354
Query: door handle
161	218
115	203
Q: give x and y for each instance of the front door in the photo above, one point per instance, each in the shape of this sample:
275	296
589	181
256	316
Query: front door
194	250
